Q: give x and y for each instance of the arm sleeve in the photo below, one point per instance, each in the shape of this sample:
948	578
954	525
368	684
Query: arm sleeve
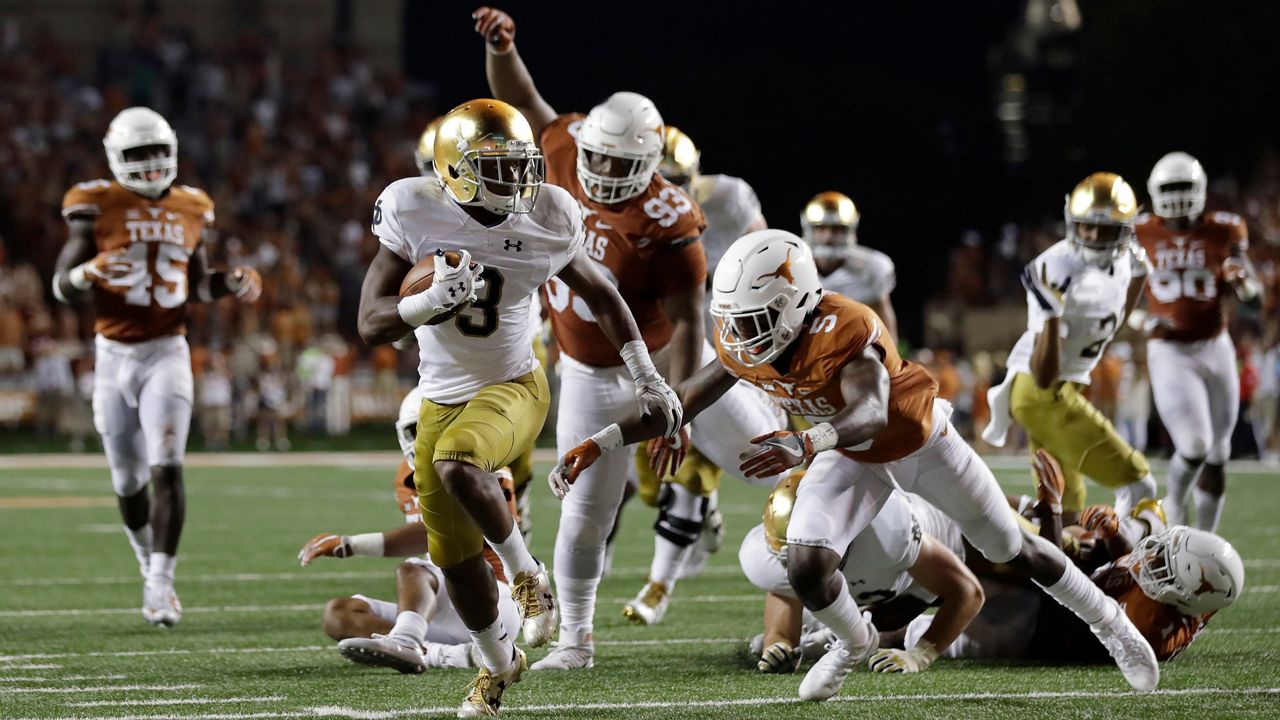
386	225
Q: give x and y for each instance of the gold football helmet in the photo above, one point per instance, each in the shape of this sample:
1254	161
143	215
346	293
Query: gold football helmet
680	157
425	153
829	224
777	511
1100	214
485	155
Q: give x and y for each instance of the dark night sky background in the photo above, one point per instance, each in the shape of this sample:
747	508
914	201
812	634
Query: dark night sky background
894	103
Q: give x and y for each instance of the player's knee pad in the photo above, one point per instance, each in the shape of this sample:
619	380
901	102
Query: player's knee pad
578	531
1194	445
1219	452
128	479
681	514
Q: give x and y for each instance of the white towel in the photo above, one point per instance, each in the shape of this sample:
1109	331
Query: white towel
1001	418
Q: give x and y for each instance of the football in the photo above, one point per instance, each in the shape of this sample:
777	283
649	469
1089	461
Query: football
421	276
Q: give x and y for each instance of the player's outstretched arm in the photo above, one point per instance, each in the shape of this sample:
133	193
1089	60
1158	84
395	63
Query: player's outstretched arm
939	571
864	384
408	540
509	79
688	332
70	282
379	321
209	285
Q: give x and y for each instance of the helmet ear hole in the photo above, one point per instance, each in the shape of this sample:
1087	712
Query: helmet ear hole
453	172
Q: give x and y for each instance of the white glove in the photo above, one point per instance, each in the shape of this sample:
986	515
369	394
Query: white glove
450	287
917	659
657	398
1050	297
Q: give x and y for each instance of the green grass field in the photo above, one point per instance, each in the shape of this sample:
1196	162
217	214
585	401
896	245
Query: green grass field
73	644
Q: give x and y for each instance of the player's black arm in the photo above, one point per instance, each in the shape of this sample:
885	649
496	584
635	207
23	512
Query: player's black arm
1046	354
207	285
697	393
378	320
884	308
408	540
602	298
939	571
684	310
79	248
510	82
864	384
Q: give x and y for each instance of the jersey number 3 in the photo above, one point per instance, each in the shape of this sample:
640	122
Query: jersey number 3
480	318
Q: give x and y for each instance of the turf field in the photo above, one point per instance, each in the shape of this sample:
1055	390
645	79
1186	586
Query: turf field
72	642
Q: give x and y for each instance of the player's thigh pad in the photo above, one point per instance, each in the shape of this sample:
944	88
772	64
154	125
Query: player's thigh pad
165	397
1182	396
837	498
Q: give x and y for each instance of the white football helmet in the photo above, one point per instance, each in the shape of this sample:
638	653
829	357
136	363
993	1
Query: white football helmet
1178	186
407	423
764	288
1193	570
627	126
137	127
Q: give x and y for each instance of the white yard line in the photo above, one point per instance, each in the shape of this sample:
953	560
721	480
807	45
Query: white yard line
35	666
65	678
99	688
180	701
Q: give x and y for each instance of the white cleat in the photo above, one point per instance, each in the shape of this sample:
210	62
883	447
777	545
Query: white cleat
484	694
440	655
650	606
826	677
707	544
385	651
160	605
1130	650
532	593
568	657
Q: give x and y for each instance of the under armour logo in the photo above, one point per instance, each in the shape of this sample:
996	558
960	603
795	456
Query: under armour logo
454	290
518	245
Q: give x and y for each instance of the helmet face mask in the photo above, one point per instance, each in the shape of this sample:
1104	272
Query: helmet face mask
142	151
1100	214
609	177
750	334
485	156
1192	570
619	147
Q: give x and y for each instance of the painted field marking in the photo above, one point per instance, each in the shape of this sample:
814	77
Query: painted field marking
180	701
56	501
99	688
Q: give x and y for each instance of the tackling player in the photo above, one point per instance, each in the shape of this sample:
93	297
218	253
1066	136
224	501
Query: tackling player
829	223
831	360
136	246
1079	292
1198	257
643	234
485	397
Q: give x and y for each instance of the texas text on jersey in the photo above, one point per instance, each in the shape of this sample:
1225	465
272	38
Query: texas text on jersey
649	254
158	237
1184	293
841	328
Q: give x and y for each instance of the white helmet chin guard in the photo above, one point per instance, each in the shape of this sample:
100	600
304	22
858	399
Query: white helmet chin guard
1178	186
1193	570
764	288
138	127
628	127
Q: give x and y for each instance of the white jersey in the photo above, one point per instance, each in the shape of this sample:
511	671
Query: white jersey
866	276
489	342
730	206
1095	305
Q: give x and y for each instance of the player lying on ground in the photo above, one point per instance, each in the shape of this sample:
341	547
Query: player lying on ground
910	550
878	426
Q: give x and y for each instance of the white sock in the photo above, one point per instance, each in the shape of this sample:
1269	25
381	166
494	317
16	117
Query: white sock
1208	510
515	554
411	626
1181	475
140	539
844	619
497	650
577	607
1077	593
1134	493
667	559
437	655
161	567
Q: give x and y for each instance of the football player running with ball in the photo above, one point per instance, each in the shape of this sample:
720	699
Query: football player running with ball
1079	292
643	233
485	396
878	426
1198	258
136	246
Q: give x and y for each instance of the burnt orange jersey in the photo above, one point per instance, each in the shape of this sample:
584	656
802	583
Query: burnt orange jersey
1168	630
1185	290
648	246
841	328
159	237
407	501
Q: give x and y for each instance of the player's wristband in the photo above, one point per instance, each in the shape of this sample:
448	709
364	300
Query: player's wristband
76	276
368	544
639	364
823	436
609	438
417	309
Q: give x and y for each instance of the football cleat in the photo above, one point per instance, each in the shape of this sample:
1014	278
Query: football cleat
390	651
826	677
708	542
650	605
532	593
568	657
1130	650
440	655
160	605
484	693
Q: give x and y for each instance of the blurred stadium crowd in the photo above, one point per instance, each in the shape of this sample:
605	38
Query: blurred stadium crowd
294	150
